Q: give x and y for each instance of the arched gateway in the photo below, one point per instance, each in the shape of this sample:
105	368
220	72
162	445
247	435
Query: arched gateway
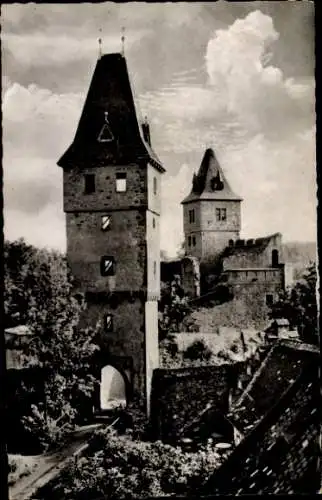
113	392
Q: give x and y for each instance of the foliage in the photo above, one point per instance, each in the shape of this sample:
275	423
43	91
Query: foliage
121	467
173	307
198	350
298	305
38	293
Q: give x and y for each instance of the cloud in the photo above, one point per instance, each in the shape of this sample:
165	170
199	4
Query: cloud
37	122
174	189
260	122
262	99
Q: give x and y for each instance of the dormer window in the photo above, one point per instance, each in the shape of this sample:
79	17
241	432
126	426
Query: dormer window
105	134
216	183
89	183
121	182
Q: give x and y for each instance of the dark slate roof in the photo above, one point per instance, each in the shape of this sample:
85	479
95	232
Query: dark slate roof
255	246
109	103
210	183
280	368
281	451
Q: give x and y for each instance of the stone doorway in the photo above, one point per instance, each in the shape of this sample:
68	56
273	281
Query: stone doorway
112	389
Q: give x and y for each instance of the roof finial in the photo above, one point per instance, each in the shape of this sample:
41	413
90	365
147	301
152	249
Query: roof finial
123	39
100	45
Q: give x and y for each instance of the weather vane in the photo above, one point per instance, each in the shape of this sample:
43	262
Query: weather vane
123	40
100	45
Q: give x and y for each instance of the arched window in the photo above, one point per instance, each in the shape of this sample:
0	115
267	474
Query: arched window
274	258
112	389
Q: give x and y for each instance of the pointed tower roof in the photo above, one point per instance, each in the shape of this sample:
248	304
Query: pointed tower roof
108	130
210	182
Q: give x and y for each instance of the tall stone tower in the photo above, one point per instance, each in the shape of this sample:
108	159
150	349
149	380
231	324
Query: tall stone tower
211	212
112	181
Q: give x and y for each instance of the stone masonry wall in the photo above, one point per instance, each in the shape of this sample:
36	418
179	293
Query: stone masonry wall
179	395
105	196
126	342
125	241
245	258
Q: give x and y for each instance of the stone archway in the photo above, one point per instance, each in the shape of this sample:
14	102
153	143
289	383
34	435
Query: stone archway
113	390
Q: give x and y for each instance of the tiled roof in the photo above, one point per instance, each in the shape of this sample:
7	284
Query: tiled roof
202	186
278	371
109	104
281	450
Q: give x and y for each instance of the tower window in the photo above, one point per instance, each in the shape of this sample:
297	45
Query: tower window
274	258
107	266
189	241
109	323
106	222
191	216
155	185
89	183
154	268
221	214
194	241
153	223
121	182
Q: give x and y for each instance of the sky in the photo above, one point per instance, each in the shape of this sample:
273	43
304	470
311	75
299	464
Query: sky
234	76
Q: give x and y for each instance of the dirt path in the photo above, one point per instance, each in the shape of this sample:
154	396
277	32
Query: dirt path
51	464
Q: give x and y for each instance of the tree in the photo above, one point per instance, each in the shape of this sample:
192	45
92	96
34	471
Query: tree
298	304
198	351
173	308
38	293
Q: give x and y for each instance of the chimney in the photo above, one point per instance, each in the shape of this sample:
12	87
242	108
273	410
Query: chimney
146	131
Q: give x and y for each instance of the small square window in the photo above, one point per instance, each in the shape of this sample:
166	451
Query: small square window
106	222
191	216
107	266
155	185
221	214
121	182
89	183
109	323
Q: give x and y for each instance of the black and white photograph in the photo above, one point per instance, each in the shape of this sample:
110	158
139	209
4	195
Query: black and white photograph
160	251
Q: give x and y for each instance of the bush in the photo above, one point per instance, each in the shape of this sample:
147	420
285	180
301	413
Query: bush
38	293
198	350
122	467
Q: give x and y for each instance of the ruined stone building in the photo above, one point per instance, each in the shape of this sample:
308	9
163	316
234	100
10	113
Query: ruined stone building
112	180
253	268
